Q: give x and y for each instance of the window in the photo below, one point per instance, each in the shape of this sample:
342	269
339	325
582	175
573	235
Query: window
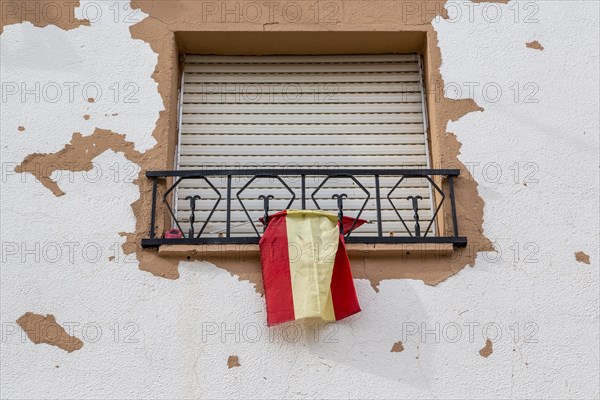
317	112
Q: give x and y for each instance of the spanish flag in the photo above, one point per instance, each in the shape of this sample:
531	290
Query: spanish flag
305	267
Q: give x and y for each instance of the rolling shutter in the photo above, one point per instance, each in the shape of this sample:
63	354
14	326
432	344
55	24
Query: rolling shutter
360	111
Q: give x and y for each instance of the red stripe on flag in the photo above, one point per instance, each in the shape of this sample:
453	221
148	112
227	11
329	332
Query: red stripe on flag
275	260
347	223
343	293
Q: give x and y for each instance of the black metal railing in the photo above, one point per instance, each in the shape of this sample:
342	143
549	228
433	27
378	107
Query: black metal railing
210	183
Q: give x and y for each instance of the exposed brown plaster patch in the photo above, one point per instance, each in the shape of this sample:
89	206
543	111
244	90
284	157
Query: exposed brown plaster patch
45	329
21	129
398	347
111	258
487	350
232	362
91	100
582	257
241	261
76	156
454	110
166	73
535	45
86	117
41	13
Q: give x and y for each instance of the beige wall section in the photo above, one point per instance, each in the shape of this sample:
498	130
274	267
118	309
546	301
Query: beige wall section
350	27
41	13
276	42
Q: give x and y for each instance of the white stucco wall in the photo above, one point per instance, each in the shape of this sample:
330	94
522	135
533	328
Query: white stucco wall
171	338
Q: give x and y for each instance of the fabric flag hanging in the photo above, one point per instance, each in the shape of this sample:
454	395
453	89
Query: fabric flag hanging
306	271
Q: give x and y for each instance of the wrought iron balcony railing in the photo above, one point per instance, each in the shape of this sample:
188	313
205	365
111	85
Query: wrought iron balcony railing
224	206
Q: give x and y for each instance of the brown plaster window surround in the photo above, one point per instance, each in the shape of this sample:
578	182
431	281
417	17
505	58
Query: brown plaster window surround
375	259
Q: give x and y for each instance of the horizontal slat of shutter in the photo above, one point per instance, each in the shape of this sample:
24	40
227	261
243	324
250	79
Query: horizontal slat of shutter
291	108
309	68
199	139
376	58
288	88
254	204
240	216
325	193
311	182
410	118
240	229
297	97
304	78
304	161
288	150
316	129
303	112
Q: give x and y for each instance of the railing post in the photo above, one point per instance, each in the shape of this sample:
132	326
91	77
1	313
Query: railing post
228	227
340	203
453	206
265	200
415	206
153	215
303	178
378	202
192	200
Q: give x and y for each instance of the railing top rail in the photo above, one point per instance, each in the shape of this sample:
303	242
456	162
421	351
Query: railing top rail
307	171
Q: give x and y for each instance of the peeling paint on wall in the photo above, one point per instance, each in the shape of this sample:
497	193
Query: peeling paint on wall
487	350
398	347
76	156
581	257
45	329
534	45
41	13
232	362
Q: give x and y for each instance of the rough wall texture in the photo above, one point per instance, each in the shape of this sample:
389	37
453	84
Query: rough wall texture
523	322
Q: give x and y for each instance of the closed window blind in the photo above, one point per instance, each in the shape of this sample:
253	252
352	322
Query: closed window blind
341	111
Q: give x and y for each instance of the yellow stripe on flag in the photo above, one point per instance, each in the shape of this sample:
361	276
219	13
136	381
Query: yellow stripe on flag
312	242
